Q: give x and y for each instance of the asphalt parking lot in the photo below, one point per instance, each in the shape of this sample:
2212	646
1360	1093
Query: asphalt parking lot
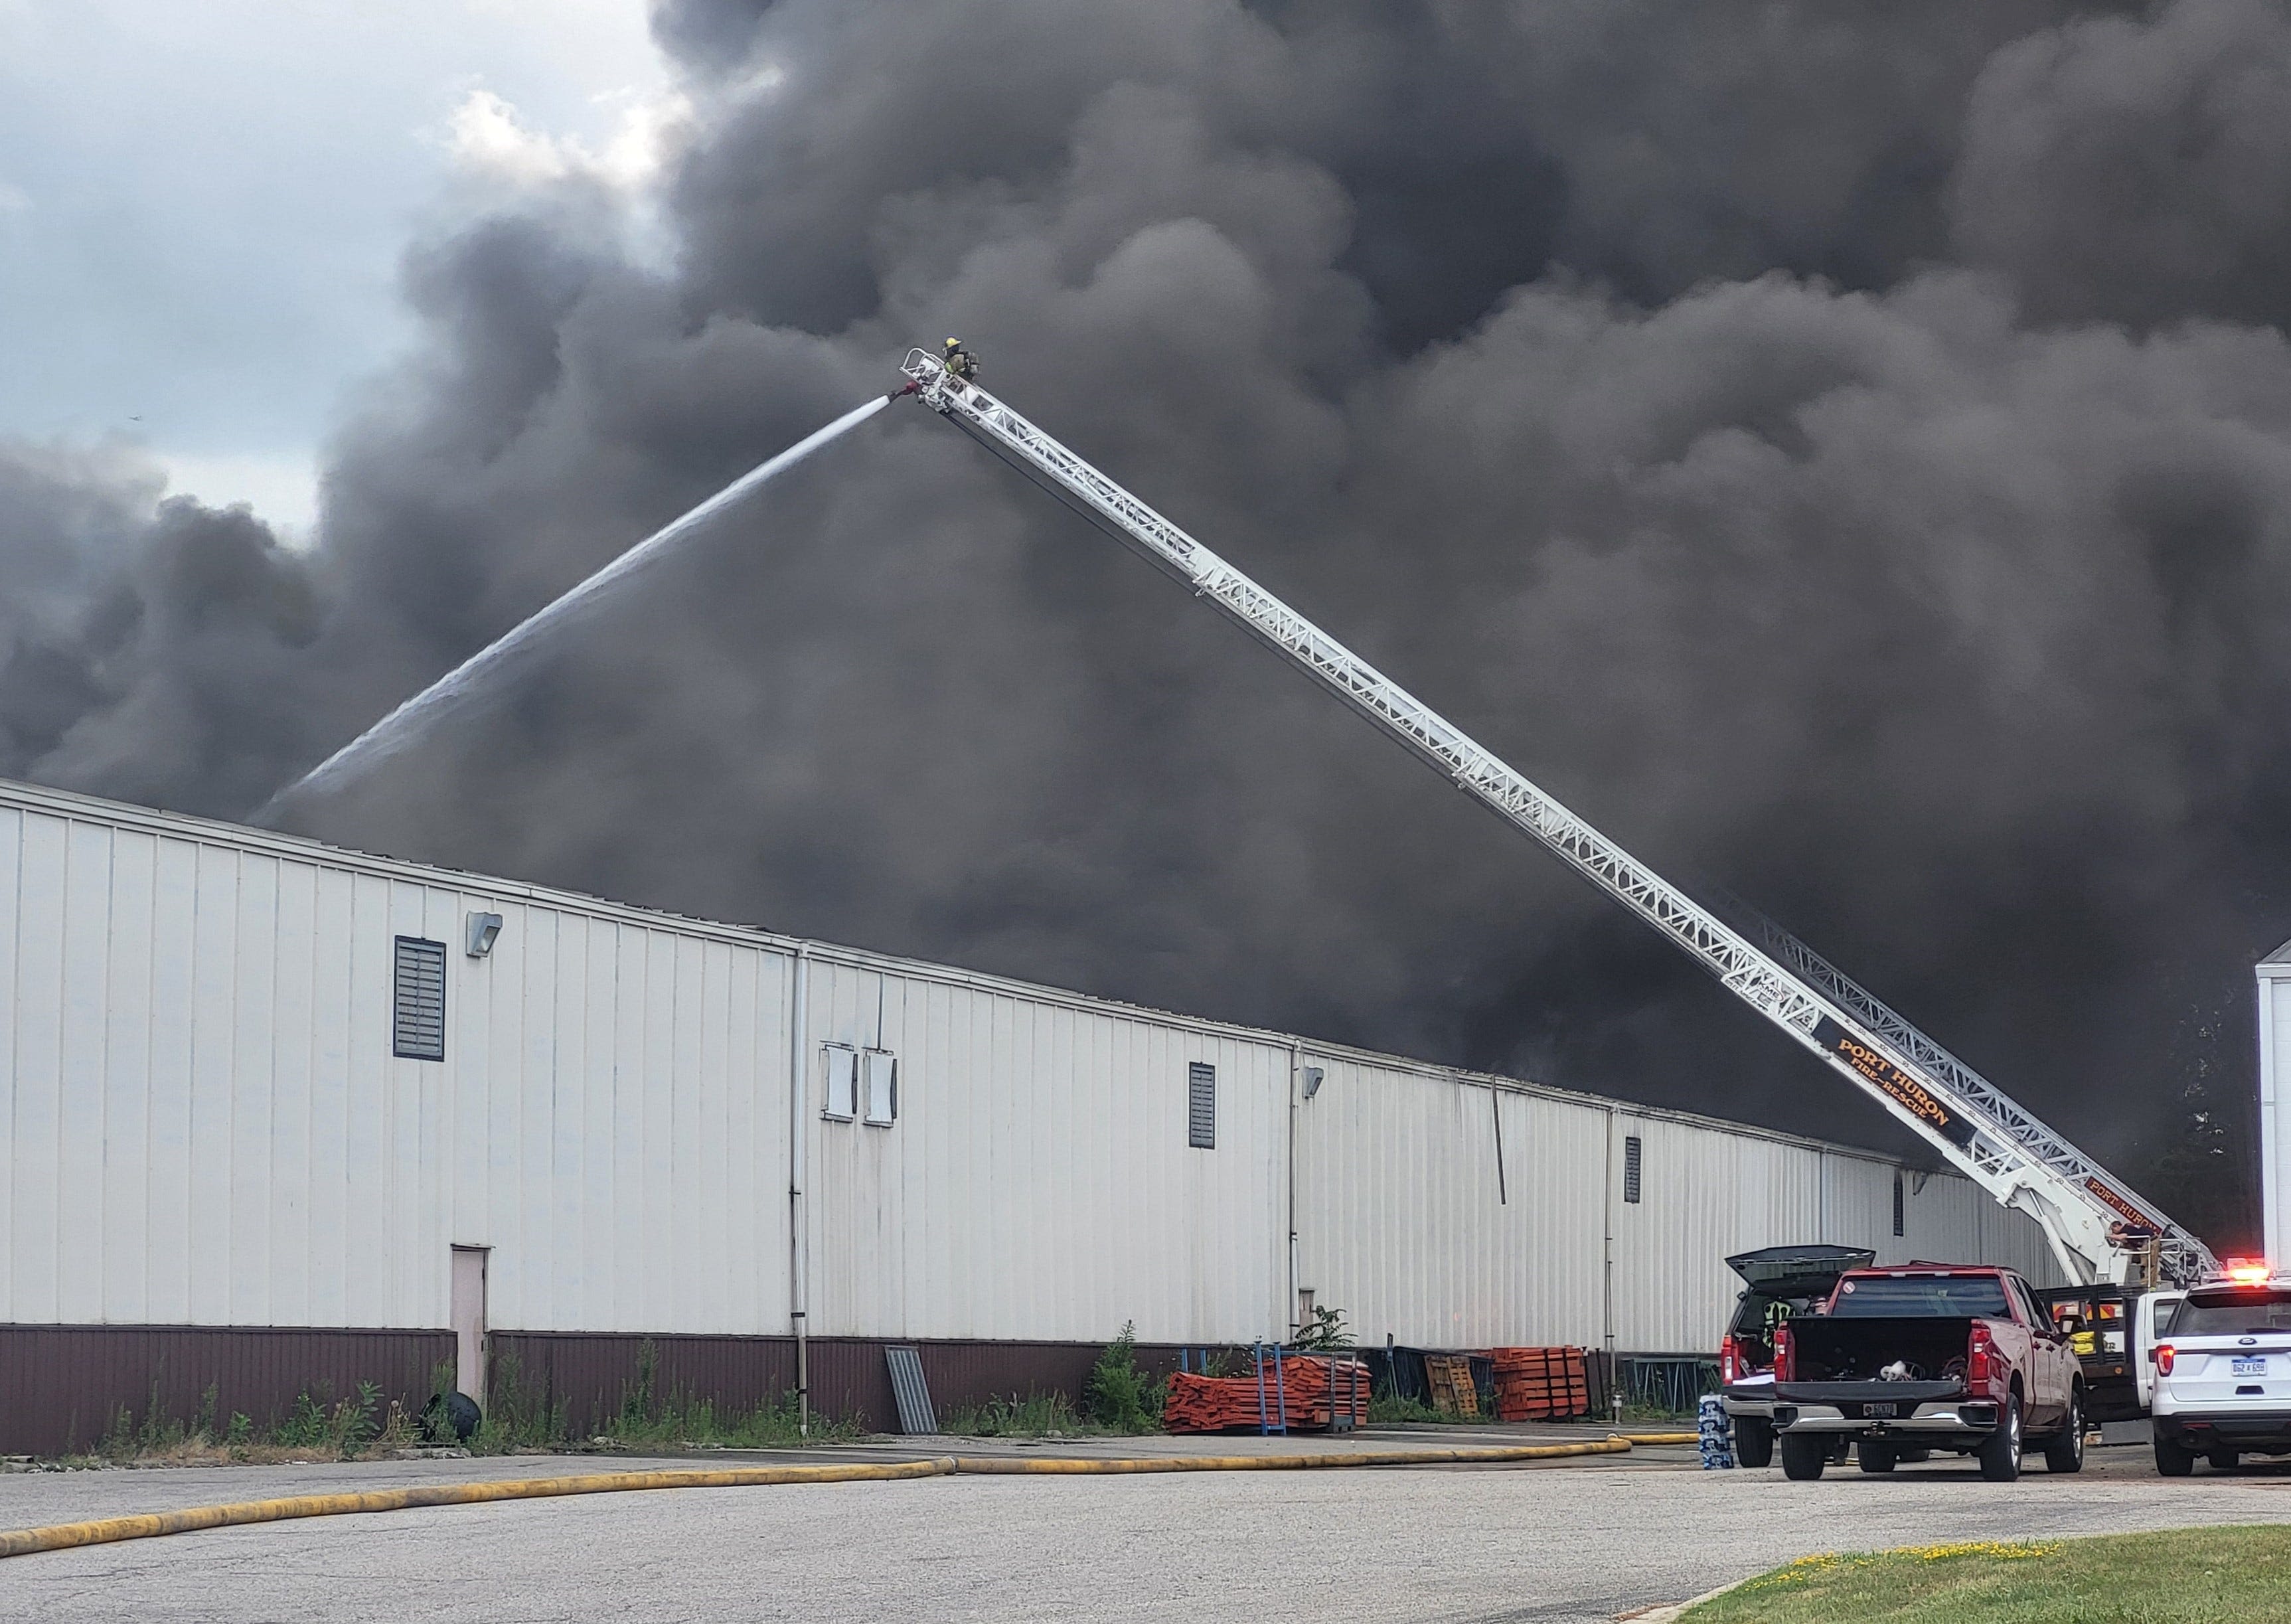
1575	1541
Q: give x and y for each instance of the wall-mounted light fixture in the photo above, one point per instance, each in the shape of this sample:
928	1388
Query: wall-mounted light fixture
483	929
1313	1076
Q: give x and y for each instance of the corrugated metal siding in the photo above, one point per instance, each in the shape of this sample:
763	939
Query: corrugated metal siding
1400	1223
1037	1184
850	1378
205	1124
208	1124
60	1385
2274	1131
1706	1197
1403	1224
593	1377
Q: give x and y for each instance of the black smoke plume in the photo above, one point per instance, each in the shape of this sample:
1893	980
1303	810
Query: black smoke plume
1845	451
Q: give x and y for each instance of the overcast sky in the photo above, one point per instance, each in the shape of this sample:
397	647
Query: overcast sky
202	206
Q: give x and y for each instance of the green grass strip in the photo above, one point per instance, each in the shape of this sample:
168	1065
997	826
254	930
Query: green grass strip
2185	1576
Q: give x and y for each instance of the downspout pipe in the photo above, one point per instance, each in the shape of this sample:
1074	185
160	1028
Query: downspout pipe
1296	1067
798	1271
1607	1257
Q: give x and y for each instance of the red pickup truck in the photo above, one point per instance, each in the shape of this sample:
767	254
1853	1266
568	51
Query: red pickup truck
1929	1356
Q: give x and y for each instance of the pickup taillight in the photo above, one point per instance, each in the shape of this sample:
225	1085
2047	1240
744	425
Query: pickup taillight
1979	1359
1785	1354
1730	1361
2164	1357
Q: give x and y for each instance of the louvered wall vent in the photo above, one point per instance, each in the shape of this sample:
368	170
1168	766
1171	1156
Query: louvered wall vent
1200	1106
417	1028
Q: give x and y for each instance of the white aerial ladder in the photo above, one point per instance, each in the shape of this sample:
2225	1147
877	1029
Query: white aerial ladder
2100	1229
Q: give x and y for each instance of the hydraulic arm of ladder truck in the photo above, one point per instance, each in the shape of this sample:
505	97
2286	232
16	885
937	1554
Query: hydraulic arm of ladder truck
2100	1229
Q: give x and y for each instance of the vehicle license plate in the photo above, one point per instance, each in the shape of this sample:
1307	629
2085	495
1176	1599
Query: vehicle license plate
2252	1366
1876	1409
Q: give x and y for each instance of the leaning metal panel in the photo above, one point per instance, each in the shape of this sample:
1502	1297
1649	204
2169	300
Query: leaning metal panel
2012	1155
911	1391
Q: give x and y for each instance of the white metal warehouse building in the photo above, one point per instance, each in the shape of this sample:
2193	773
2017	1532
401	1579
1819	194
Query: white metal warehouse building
265	1116
2274	973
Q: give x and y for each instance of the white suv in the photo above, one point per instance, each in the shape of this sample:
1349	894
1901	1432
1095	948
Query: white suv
2224	1376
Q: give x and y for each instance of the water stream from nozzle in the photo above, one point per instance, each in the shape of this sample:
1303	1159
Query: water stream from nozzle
397	729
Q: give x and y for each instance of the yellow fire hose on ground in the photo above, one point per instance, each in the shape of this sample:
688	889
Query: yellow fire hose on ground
105	1531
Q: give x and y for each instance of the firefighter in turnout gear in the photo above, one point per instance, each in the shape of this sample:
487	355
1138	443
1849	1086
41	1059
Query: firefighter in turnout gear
959	361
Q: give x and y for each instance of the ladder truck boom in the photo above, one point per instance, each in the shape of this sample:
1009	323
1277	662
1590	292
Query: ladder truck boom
2188	1258
2086	1212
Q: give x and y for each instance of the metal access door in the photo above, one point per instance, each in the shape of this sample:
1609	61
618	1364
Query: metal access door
469	1321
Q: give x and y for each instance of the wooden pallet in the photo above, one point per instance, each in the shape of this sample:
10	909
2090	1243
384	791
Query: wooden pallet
1453	1391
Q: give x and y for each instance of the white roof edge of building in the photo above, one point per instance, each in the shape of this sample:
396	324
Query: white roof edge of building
2279	961
74	803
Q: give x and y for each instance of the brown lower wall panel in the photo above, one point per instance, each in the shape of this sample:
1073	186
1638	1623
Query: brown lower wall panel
593	1375
62	1386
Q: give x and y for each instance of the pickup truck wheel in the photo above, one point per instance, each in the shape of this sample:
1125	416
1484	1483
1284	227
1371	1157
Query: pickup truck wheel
2000	1452
2223	1460
2174	1460
1876	1457
1754	1440
1803	1455
2064	1451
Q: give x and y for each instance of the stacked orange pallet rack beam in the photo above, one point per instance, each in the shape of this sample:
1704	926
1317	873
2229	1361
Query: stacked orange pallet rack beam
1309	1393
1541	1384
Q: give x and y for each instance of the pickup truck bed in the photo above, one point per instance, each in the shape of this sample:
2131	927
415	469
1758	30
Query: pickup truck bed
1856	1352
